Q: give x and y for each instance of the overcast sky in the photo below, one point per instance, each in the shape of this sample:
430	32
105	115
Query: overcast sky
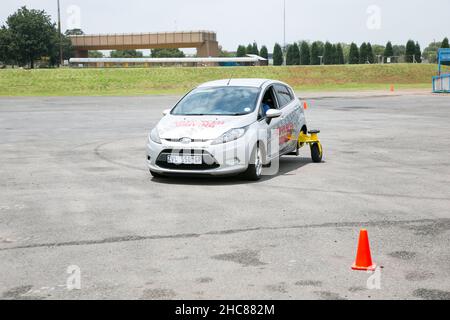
244	21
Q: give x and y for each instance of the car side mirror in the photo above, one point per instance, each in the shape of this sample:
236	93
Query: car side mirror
273	113
166	112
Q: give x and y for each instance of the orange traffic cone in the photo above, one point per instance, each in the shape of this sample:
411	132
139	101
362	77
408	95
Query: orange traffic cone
392	88
363	256
305	106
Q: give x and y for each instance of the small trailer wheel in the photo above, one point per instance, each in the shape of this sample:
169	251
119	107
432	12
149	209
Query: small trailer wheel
316	153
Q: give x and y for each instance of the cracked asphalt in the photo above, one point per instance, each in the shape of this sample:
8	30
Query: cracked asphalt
74	190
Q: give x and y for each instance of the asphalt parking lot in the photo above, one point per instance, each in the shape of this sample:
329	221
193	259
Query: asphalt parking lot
74	190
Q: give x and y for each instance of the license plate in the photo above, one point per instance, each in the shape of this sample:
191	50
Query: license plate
184	159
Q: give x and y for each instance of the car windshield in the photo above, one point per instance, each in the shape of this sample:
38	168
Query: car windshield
224	101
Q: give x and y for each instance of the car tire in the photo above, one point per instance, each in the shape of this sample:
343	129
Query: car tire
156	174
316	153
255	166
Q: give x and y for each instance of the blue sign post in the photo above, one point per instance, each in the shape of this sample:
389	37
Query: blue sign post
441	83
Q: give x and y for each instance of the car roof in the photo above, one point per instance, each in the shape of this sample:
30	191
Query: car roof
257	83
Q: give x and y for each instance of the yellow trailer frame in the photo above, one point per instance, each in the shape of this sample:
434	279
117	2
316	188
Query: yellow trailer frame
312	139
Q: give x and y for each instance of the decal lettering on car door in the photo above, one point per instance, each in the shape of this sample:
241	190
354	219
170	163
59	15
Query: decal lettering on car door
289	128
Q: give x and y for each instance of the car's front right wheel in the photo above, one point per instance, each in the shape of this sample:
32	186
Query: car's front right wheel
254	170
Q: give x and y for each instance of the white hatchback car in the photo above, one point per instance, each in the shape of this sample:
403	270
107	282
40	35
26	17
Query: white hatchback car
227	127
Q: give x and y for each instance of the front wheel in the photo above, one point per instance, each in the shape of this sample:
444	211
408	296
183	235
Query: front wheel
254	170
316	153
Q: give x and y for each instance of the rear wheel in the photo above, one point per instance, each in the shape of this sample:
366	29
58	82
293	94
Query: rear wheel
316	153
255	166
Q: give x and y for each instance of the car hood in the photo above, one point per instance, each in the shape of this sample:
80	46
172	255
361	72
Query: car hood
200	127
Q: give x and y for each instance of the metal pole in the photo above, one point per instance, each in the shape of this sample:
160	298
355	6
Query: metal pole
439	61
284	32
284	24
61	61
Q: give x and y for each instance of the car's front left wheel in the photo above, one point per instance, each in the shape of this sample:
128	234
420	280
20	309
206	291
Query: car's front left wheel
254	170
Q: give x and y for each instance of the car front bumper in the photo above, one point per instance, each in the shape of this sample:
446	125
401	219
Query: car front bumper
229	158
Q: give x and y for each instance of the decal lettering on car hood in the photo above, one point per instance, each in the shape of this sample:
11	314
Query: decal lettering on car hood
201	127
201	123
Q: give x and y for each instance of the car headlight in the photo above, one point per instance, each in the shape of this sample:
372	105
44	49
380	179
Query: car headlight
154	136
230	135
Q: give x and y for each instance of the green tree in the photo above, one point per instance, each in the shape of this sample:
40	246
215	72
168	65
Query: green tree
399	51
255	49
127	54
353	56
277	55
410	51
430	52
315	53
290	55
249	49
388	51
363	53
417	53
328	53
346	50
321	47
264	53
340	54
5	50
67	49
378	52
295	54
305	54
167	53
370	55
335	54
95	54
32	35
241	52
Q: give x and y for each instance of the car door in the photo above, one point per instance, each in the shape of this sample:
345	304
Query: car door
299	114
269	127
291	118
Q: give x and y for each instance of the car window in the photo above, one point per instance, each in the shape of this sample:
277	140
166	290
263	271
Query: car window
218	101
269	100
292	93
284	95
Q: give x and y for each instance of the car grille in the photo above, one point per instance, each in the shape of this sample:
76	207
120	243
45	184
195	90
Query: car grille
208	162
192	140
